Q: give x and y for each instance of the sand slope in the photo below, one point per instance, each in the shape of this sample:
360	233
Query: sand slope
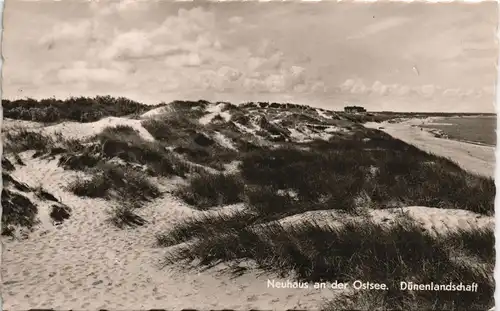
87	264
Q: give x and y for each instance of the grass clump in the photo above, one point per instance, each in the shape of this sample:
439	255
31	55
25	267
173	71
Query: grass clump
206	225
124	215
125	143
111	181
189	139
207	190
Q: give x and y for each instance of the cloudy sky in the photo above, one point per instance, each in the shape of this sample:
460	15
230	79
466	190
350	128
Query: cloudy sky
384	56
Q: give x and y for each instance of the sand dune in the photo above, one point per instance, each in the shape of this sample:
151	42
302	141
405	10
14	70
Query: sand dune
88	264
78	130
431	219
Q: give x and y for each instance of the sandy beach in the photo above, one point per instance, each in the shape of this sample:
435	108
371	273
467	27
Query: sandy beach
474	158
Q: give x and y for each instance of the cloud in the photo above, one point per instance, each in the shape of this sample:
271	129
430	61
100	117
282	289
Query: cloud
236	20
115	7
184	60
357	86
183	39
68	31
85	73
84	29
381	26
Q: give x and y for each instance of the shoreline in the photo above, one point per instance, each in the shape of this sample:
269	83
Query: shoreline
473	157
431	121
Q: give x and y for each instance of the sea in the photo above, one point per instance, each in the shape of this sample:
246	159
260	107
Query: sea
473	129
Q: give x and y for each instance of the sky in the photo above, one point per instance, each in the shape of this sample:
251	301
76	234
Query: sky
383	56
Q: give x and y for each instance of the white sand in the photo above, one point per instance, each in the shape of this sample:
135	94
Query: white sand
434	220
322	114
156	112
224	141
474	158
78	130
213	111
87	264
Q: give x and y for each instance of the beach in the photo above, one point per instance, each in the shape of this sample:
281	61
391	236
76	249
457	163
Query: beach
475	158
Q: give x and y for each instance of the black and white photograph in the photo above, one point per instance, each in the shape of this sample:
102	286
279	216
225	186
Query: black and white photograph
248	155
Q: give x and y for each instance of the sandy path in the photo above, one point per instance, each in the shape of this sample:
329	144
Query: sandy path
474	158
87	264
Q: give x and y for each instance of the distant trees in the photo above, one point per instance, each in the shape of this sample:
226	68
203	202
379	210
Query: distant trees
80	109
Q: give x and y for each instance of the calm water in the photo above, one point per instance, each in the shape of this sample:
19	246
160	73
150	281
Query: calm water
472	129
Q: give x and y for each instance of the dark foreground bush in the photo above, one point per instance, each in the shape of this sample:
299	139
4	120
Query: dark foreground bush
361	251
207	190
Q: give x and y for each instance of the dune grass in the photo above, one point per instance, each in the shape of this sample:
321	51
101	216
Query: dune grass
359	251
202	226
207	190
124	215
331	175
115	182
361	168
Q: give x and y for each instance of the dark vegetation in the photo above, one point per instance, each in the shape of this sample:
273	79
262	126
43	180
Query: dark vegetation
79	109
59	212
208	190
17	210
114	182
359	251
336	174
